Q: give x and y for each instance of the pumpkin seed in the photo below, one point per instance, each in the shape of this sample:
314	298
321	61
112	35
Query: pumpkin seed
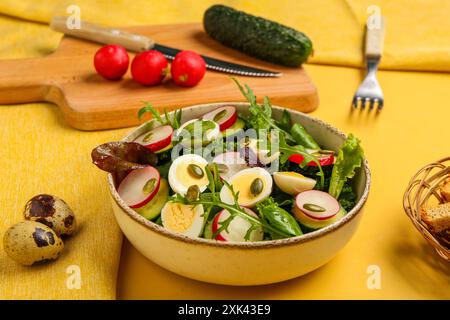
223	168
313	207
195	171
149	186
220	115
256	187
148	137
192	193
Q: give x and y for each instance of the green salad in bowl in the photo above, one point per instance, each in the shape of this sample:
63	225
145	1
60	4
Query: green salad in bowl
233	177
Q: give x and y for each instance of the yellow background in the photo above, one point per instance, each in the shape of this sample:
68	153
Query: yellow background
40	153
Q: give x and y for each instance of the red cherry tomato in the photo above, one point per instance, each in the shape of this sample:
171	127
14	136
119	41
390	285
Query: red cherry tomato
111	62
149	67
324	160
188	68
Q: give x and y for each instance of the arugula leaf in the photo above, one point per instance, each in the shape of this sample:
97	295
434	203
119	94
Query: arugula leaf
286	151
175	123
149	108
267	107
260	116
285	122
349	158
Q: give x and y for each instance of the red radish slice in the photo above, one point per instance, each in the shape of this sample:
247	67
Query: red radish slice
225	116
215	227
324	159
139	186
317	204
237	229
233	164
156	139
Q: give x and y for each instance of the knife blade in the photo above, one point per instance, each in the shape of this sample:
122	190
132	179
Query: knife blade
137	42
220	65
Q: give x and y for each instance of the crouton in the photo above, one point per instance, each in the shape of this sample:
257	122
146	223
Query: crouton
438	220
445	190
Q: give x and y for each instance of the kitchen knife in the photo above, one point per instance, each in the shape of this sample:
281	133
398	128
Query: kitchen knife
138	43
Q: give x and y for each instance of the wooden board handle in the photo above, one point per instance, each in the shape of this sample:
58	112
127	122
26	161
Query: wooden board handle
375	37
24	80
92	32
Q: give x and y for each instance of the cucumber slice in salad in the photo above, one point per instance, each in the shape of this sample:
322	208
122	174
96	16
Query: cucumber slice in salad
235	128
153	208
308	224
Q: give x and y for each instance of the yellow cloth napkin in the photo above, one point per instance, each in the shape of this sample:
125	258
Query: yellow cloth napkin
41	154
417	32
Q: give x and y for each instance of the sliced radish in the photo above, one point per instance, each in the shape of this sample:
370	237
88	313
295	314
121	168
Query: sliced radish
156	139
237	229
231	162
225	116
317	204
325	158
139	186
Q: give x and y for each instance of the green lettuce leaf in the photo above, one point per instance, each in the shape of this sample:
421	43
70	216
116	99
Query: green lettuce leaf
349	158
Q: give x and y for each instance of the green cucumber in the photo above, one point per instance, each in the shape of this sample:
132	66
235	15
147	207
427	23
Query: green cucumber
256	36
153	208
309	224
167	148
235	128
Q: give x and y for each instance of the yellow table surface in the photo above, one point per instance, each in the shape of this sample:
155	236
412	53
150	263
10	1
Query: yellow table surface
412	130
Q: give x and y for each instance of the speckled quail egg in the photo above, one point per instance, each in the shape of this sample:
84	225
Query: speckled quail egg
30	242
51	211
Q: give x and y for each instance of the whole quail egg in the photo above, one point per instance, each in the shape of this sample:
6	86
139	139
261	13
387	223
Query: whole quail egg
30	242
51	211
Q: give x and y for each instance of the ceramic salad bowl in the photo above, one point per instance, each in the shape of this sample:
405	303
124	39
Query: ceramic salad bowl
244	263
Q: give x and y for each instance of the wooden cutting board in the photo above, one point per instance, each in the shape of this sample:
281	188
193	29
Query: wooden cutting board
88	102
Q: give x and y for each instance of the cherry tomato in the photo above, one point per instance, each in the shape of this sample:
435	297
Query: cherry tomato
111	62
188	68
324	160
149	67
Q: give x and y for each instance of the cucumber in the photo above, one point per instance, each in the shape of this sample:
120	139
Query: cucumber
164	155
153	209
235	128
309	224
256	36
169	147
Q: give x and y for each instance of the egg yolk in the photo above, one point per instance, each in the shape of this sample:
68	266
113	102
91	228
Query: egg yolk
292	174
242	185
179	217
186	179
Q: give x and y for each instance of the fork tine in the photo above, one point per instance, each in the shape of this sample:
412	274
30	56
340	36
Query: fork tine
365	102
359	102
355	101
372	103
380	104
